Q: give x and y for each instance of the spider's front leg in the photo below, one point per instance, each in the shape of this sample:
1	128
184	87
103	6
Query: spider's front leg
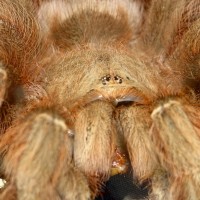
175	133
38	160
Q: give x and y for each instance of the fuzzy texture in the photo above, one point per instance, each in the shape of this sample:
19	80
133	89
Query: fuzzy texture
90	86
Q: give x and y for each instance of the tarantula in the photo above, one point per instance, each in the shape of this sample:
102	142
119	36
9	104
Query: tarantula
89	86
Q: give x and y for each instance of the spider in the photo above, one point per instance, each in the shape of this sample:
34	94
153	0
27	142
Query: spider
88	87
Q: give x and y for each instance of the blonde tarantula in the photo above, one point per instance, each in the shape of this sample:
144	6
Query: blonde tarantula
88	86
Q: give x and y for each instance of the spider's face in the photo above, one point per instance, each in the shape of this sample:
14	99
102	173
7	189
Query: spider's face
101	74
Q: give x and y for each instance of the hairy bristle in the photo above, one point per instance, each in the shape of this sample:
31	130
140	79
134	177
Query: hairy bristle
80	22
20	38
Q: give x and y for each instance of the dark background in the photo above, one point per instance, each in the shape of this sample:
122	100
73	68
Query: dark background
122	186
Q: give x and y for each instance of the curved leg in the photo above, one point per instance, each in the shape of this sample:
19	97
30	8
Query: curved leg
175	133
39	160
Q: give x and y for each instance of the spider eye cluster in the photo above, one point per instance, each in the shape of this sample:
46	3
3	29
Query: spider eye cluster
118	79
111	79
105	79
